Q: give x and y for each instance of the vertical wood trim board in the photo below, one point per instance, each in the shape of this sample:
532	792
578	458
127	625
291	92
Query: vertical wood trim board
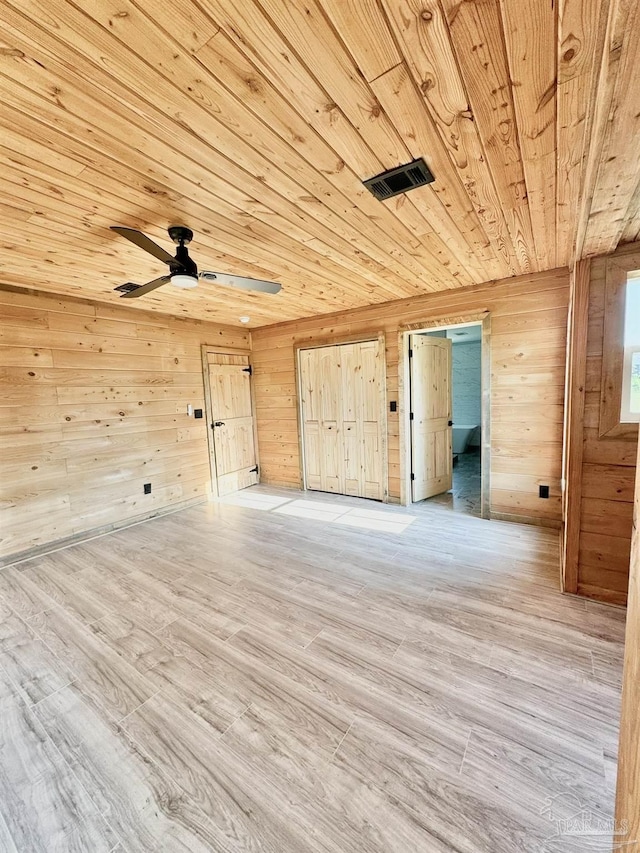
574	415
381	364
208	410
404	404
93	405
485	449
628	787
297	362
528	353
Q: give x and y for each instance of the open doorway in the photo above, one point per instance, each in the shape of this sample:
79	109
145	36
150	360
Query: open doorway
446	417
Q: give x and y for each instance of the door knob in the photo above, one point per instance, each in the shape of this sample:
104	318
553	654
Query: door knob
449	423
218	423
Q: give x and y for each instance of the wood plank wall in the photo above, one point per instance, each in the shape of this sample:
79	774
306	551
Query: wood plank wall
529	319
608	470
93	403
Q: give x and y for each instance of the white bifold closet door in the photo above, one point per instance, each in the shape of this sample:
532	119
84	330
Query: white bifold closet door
342	390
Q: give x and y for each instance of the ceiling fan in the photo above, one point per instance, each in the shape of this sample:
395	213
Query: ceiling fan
183	271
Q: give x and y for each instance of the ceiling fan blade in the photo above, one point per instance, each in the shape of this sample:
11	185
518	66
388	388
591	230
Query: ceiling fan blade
132	291
241	282
143	242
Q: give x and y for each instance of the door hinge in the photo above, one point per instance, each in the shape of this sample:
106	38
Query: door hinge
413	476
248	370
410	416
255	470
410	353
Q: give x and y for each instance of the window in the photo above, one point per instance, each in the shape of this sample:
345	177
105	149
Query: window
630	408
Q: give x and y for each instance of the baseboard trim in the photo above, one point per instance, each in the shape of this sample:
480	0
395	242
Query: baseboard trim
95	533
551	523
281	484
604	596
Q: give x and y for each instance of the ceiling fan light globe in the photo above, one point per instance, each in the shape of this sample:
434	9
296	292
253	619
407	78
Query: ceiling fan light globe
184	282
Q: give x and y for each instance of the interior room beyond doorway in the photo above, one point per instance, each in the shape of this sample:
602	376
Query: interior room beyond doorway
446	416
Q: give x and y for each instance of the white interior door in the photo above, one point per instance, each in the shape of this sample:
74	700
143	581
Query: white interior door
341	388
431	452
233	446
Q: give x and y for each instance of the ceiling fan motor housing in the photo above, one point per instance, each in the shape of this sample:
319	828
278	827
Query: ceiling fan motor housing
184	264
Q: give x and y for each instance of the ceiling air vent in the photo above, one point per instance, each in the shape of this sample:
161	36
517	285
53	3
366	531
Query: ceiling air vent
399	180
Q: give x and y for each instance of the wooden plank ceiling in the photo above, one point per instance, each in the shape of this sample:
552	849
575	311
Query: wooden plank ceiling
255	122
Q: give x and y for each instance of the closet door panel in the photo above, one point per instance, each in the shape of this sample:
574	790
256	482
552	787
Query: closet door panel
340	390
320	407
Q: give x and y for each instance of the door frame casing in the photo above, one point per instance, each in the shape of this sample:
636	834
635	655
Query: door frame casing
206	350
404	398
343	340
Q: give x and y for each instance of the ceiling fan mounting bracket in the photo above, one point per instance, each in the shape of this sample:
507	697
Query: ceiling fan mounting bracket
180	235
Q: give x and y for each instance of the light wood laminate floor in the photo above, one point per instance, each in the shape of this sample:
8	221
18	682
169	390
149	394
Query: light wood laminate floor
233	679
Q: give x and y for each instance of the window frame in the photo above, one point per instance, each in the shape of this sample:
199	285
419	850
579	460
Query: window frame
618	270
626	415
